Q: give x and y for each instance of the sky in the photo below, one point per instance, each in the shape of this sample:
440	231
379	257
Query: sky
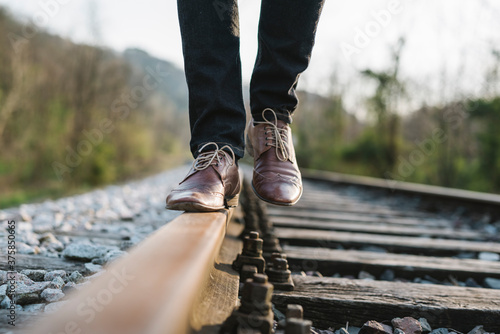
445	36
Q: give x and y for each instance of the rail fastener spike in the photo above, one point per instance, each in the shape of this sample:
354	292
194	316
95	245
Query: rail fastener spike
249	206
247	271
271	244
273	256
279	274
298	326
292	311
251	253
254	312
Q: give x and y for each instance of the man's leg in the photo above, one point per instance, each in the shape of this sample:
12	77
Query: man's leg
287	30
210	42
286	37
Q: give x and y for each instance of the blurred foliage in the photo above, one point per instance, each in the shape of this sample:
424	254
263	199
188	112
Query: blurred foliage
460	151
78	116
456	144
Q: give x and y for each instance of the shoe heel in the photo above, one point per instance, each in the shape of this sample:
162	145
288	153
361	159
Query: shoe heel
232	202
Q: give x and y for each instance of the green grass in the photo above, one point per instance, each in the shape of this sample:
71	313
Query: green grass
18	197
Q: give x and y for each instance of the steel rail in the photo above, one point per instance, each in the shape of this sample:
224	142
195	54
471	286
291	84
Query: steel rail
406	187
151	290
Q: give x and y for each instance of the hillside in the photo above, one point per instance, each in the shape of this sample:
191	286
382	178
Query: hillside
74	116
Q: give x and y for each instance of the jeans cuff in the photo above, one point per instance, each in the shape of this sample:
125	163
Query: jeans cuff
283	115
238	151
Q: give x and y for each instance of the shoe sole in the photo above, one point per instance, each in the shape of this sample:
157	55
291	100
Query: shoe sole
274	202
229	202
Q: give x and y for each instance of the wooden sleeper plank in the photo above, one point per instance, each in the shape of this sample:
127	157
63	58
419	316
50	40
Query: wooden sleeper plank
447	233
392	243
335	301
350	262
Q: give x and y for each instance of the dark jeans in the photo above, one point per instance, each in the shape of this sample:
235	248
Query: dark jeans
210	42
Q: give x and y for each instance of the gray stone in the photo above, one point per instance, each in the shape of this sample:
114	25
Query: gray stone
126	244
113	255
49	241
52	254
375	327
52	295
493	283
3	291
25	279
366	275
99	260
466	255
23	248
107	214
19	277
53	307
440	331
375	249
68	287
3	276
490	229
398	331
488	256
341	330
425	325
91	268
27	237
408	325
471	283
35	275
56	283
81	251
477	330
30	294
53	274
388	275
76	277
46	223
353	329
5	304
34	308
103	250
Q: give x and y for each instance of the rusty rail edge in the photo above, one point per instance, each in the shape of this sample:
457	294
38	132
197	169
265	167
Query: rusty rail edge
152	289
407	187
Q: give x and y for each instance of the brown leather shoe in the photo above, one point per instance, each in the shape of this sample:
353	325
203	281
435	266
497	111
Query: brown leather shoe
276	175
212	184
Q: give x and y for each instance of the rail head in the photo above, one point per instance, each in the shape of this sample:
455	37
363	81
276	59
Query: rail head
151	290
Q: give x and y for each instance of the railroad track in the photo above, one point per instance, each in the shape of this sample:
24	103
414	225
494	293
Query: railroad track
358	249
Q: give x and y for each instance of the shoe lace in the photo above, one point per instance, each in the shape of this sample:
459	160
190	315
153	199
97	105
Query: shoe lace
278	136
206	159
